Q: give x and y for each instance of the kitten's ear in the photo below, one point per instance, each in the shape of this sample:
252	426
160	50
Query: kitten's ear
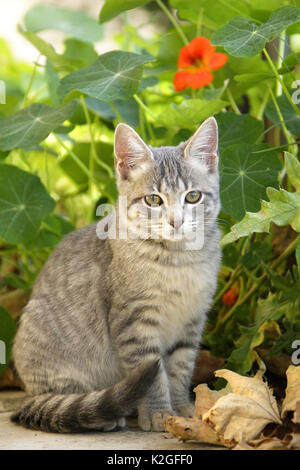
203	145
130	150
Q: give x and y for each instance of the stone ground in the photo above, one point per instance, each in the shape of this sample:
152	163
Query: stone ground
13	437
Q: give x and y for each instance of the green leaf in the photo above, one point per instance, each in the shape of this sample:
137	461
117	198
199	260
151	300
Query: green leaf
82	150
293	169
289	115
283	208
242	37
289	63
52	230
7	333
114	75
81	53
245	176
238	128
284	342
128	110
189	113
24	202
258	252
31	125
112	8
72	22
252	79
214	14
267	313
58	61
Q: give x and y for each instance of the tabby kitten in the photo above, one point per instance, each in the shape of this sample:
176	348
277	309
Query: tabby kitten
113	324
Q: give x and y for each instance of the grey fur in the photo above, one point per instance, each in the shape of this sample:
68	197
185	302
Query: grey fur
113	325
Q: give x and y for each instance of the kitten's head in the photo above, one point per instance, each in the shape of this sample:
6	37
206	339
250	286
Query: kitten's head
169	191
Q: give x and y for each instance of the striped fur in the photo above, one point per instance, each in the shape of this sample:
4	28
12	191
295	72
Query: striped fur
114	324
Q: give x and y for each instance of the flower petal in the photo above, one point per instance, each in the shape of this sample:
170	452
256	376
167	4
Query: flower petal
180	80
217	60
199	48
199	79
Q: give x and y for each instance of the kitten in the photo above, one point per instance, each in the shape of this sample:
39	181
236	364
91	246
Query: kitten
113	324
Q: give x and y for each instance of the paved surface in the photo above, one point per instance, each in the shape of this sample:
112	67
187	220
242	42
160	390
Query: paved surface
13	437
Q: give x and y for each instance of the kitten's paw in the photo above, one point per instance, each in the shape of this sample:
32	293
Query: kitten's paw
154	421
114	425
186	410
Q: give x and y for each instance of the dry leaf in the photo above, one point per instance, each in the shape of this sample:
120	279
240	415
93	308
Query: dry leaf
264	443
190	429
292	441
296	418
292	392
205	399
241	416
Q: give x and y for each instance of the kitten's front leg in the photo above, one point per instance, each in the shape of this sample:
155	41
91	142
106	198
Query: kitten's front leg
180	363
134	349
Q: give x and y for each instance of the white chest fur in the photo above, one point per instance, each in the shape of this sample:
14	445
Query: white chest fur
186	296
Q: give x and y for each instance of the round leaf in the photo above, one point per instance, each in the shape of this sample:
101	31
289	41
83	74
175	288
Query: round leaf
113	8
31	125
245	176
74	23
24	202
114	75
242	37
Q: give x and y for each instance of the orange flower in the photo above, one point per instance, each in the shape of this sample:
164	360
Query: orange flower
196	60
230	297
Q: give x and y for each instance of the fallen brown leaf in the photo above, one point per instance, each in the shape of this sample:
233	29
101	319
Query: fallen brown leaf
190	429
292	393
292	441
264	443
205	399
241	416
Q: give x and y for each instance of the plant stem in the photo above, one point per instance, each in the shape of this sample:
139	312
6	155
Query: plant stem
93	151
255	286
173	21
263	104
279	62
115	110
284	128
145	108
94	154
30	82
232	102
76	160
279	78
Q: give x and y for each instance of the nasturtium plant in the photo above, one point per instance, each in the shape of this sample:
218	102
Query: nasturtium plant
31	125
242	37
246	171
238	61
24	202
114	75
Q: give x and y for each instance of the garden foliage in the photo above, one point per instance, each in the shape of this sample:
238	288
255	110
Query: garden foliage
56	145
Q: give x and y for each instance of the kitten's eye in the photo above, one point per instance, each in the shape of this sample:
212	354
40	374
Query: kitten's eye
193	196
153	200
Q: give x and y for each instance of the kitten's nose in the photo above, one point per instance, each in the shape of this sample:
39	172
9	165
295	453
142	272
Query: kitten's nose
176	223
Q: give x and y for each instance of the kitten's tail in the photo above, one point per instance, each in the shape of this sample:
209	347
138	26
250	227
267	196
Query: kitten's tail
102	410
